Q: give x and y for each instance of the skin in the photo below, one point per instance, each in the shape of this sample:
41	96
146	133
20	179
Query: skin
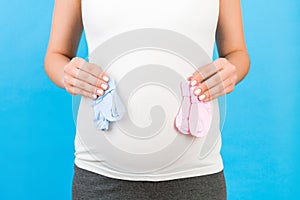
63	68
79	77
223	74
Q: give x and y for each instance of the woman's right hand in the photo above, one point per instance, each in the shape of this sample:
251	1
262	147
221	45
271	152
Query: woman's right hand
85	79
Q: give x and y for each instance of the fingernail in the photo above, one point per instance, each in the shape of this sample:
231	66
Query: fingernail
105	78
94	96
193	82
104	86
99	91
202	97
197	92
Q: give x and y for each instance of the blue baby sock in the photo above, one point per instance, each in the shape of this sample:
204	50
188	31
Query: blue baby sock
108	107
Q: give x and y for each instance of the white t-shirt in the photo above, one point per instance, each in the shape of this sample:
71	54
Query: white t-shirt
118	155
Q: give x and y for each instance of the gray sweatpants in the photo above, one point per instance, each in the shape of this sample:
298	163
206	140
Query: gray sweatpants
90	186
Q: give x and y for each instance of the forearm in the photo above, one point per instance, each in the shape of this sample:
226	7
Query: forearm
242	62
54	67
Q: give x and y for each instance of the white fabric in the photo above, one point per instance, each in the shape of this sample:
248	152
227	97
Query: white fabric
197	19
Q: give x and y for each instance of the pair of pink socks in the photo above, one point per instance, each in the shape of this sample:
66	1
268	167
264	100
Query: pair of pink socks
194	116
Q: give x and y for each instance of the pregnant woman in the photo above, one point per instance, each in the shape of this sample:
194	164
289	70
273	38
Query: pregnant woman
204	22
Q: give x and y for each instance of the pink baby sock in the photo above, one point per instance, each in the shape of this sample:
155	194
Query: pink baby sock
200	116
181	120
194	117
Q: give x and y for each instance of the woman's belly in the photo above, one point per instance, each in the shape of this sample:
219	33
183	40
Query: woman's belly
148	82
142	151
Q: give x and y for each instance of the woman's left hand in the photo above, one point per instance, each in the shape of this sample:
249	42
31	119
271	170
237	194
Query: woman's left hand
214	80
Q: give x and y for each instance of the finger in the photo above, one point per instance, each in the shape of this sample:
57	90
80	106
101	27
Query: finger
221	76
83	85
228	68
207	94
213	96
204	73
86	77
209	83
101	84
227	90
218	90
226	75
94	70
77	91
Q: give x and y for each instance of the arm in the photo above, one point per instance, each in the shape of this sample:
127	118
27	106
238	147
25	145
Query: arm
61	65
64	38
223	74
230	37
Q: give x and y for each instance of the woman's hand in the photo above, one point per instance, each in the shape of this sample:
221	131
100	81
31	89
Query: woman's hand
83	78
214	80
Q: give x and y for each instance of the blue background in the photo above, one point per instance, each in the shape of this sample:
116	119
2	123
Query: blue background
260	137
